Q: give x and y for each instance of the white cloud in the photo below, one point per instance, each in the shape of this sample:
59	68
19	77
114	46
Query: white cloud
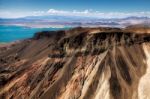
62	12
87	12
53	11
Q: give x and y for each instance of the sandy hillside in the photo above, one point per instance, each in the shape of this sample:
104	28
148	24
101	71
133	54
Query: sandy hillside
81	63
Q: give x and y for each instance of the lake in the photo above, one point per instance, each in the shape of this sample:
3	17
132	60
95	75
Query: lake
13	33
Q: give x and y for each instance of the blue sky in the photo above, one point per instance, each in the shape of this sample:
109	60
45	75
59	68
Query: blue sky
20	8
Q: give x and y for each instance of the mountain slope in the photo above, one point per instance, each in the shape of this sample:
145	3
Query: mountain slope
81	63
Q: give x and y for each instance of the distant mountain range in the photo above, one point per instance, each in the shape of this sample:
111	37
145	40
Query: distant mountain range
57	20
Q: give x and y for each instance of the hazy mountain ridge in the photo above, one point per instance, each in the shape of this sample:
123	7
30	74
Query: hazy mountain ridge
75	21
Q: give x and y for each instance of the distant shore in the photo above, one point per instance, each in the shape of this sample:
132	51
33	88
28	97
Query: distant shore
6	44
37	25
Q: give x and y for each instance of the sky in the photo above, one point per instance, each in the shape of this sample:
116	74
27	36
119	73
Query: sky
94	8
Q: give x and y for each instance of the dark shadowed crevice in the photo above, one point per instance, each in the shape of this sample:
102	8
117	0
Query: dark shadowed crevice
122	65
115	88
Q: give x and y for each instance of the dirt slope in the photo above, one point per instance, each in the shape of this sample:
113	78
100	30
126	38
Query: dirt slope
81	63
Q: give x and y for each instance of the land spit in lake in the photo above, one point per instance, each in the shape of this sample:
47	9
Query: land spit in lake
80	63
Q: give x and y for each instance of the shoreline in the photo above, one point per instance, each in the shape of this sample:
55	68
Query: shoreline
3	44
7	44
37	26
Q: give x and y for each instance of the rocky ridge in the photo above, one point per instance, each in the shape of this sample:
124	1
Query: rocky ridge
80	63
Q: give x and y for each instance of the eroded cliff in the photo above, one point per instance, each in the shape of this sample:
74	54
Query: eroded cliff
81	63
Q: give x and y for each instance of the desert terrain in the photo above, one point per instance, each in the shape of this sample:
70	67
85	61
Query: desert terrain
80	63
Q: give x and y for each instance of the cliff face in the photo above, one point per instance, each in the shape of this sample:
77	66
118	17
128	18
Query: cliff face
81	63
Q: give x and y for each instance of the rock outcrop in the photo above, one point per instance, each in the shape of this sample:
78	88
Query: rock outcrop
80	63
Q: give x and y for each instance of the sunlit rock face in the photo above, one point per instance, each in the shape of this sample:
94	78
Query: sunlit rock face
81	63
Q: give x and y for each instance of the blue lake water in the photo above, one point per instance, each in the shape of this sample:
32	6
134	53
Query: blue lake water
13	33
